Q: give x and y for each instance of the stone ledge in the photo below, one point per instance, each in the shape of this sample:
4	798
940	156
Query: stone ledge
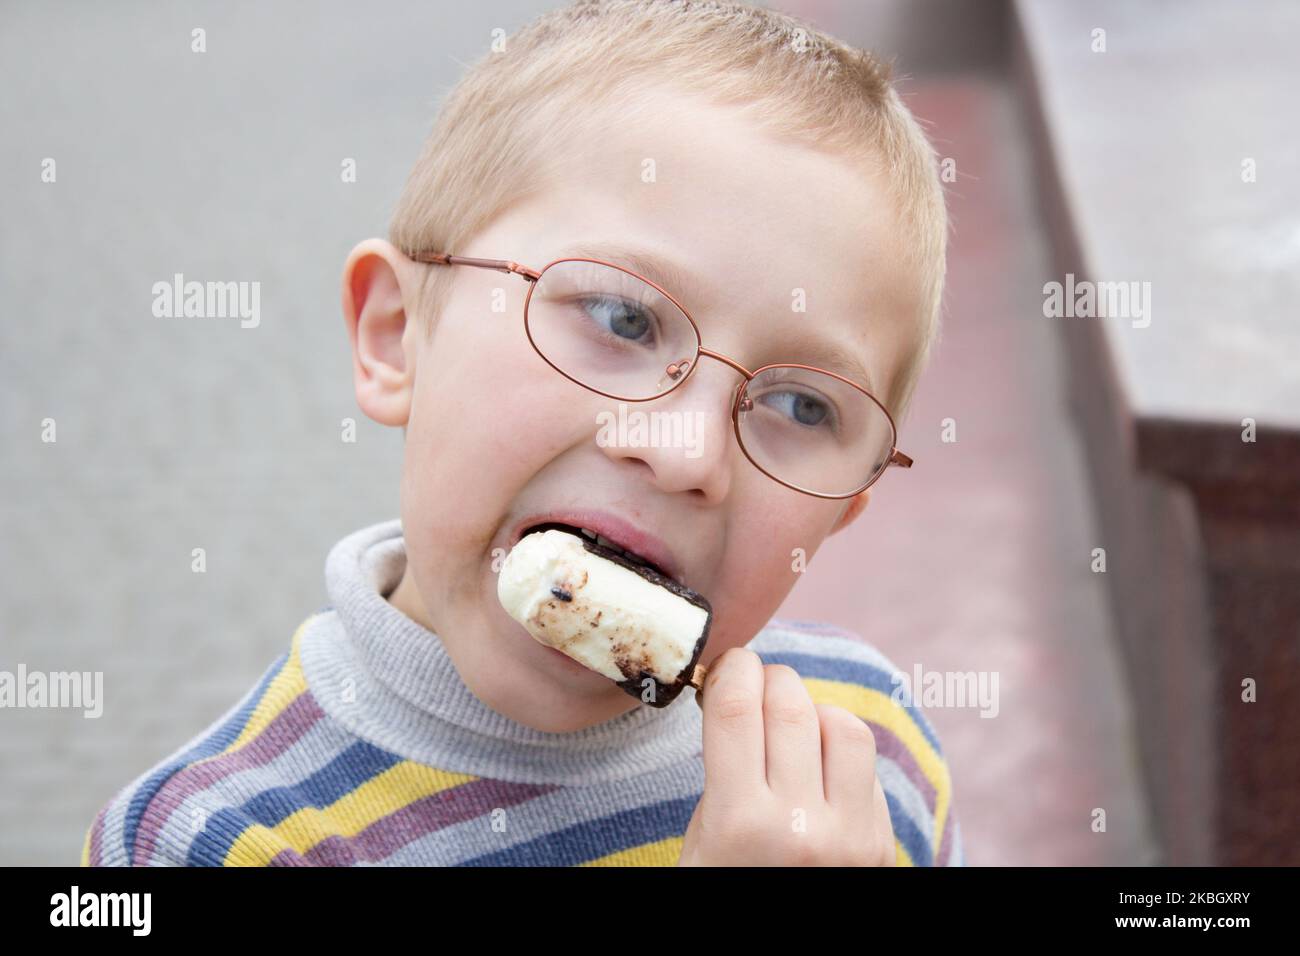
1203	528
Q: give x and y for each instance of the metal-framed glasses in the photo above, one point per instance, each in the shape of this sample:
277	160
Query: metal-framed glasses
621	335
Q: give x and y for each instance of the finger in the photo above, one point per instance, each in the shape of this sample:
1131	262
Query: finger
848	759
733	727
793	736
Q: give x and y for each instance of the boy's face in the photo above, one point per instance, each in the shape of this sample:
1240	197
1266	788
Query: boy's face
497	440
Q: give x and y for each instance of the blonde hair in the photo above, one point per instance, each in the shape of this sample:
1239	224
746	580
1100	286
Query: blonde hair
513	110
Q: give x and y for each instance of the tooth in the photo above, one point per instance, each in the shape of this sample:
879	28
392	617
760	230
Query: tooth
588	532
604	541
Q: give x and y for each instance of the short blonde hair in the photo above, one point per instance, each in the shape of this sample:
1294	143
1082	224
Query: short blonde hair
499	127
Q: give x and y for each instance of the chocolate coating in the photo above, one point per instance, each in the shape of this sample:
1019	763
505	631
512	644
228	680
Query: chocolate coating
664	693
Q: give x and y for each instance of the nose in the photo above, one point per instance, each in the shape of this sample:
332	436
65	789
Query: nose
676	370
684	438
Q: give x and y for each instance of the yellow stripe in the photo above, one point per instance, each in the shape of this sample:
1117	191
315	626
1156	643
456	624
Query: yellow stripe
901	857
283	689
85	848
660	853
399	786
880	708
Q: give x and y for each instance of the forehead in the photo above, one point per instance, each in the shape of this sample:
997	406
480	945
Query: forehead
780	252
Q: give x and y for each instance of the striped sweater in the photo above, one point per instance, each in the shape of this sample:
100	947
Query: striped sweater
361	746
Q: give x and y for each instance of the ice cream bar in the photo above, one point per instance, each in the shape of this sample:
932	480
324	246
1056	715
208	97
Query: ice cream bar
619	618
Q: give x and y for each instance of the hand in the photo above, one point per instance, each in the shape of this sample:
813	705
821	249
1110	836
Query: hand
786	782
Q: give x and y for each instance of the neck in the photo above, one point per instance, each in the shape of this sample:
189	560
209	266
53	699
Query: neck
407	599
405	694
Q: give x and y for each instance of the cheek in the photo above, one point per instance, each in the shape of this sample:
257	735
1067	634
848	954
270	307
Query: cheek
767	545
779	543
462	405
782	528
482	426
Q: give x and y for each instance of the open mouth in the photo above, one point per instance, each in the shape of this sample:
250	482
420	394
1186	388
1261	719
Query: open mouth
630	556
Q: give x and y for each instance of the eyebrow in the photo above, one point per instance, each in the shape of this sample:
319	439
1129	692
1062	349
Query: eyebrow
833	357
823	353
673	277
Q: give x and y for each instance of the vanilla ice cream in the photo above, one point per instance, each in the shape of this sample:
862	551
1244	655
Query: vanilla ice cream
623	620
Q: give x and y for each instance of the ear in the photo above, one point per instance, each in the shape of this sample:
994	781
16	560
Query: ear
855	507
377	278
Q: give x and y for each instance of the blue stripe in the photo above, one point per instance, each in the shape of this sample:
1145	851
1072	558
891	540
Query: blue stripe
650	824
349	770
905	828
222	738
597	838
851	672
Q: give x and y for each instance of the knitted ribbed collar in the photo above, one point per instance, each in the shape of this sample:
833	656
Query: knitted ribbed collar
409	698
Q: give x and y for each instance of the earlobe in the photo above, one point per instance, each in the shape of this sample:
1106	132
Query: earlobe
855	507
374	310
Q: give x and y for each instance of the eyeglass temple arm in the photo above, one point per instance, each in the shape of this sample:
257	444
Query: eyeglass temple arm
500	265
899	459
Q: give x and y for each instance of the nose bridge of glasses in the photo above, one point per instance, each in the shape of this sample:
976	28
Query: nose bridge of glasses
746	376
726	361
681	368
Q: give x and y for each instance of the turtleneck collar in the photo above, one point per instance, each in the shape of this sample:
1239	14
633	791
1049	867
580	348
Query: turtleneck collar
408	697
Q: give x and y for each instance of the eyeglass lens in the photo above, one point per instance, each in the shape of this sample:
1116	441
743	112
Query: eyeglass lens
610	331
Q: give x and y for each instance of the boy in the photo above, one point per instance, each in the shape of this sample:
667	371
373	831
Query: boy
702	211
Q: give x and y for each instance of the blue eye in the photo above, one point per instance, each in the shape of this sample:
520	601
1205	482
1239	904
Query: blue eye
799	407
621	317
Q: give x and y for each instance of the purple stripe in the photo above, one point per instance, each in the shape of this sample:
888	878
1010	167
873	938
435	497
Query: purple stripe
288	857
277	737
888	745
945	844
421	817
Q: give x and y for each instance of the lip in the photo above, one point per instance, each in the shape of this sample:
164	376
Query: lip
619	530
